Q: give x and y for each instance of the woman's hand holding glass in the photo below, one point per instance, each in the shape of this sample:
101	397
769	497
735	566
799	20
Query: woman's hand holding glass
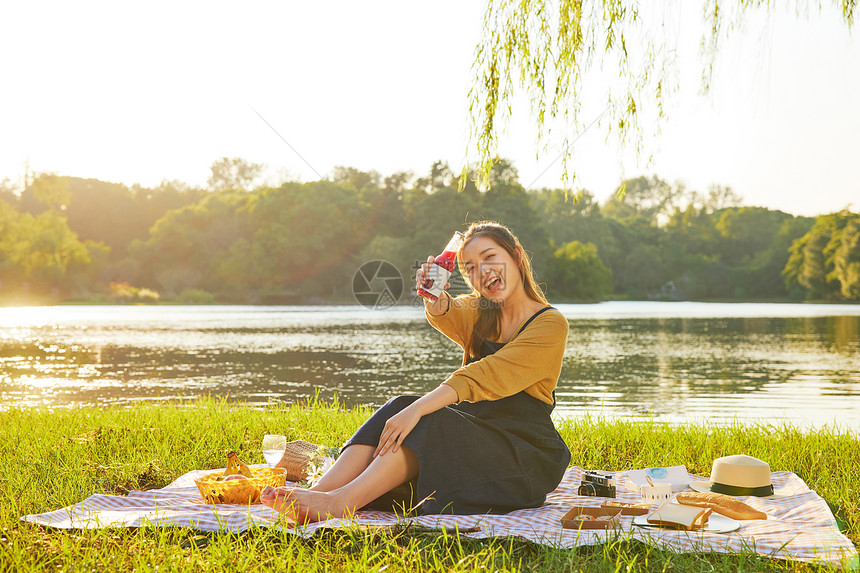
422	276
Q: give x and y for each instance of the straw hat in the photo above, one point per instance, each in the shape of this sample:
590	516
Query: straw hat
738	476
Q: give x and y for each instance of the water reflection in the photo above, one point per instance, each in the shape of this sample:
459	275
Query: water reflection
718	362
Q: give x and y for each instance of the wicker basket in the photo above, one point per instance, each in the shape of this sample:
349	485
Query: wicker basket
296	458
241	491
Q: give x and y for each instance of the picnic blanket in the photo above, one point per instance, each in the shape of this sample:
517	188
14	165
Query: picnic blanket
799	527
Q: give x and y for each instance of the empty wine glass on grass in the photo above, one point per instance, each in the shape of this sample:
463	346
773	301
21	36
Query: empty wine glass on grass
273	448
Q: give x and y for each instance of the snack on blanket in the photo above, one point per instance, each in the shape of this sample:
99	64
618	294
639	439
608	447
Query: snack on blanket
678	516
628	508
722	504
591	518
610	503
586	517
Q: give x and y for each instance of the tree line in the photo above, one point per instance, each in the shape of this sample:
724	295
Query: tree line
237	241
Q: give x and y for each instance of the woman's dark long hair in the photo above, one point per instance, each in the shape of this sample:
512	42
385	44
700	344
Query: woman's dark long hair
488	326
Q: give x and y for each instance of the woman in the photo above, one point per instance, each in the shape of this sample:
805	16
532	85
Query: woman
483	441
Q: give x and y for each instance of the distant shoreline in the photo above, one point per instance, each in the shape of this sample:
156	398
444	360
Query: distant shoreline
22	304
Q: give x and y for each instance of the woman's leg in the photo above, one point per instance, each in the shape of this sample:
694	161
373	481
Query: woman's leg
349	465
357	455
383	474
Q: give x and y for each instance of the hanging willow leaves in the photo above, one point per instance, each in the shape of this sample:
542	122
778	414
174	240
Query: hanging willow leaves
544	49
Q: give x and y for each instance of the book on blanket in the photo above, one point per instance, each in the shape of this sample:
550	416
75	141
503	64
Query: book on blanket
677	516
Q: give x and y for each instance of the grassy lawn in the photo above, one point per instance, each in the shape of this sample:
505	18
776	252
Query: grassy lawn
54	458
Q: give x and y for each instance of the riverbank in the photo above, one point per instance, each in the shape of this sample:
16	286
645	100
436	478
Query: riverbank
207	299
54	458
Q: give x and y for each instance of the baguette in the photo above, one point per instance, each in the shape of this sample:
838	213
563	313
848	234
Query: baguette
722	504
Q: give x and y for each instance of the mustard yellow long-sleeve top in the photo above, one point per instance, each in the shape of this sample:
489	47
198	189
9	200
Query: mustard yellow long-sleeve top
530	361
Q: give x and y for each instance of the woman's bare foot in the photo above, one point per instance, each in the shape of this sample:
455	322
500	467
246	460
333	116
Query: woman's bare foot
332	500
310	506
277	498
304	505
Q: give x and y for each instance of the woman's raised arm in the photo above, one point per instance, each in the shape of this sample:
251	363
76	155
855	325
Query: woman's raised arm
533	356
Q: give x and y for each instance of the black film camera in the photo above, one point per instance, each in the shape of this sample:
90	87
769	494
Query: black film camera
596	484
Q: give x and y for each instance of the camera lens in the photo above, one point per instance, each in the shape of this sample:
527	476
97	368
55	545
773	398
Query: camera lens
587	488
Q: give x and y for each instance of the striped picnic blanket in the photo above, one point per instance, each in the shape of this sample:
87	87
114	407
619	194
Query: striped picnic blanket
799	527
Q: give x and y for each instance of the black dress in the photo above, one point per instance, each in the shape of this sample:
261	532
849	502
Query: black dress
492	456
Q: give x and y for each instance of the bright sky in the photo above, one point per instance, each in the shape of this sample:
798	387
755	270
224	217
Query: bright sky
159	92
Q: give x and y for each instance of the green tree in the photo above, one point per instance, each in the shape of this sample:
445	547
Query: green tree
747	231
720	197
50	190
50	246
304	237
846	258
233	173
151	204
105	212
693	230
754	242
45	250
652	199
811	263
8	192
559	212
440	177
187	245
507	202
356	179
578	272
619	254
435	216
644	272
384	208
8	244
577	219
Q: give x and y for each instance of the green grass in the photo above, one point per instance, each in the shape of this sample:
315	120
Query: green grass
54	458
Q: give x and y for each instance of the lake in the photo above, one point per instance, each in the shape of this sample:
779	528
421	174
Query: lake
677	362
